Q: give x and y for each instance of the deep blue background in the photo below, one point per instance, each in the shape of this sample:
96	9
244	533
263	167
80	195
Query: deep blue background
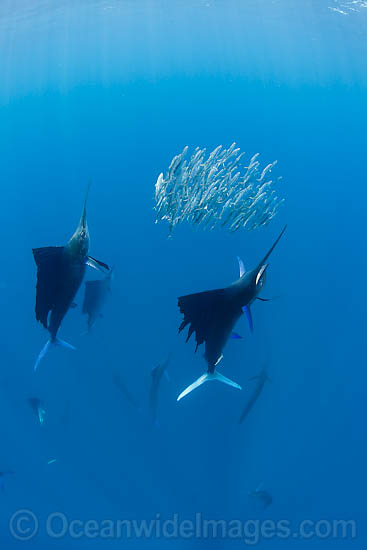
110	91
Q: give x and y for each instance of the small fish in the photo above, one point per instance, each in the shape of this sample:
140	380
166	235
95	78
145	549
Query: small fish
60	271
96	293
261	378
337	10
38	408
157	374
262	495
212	315
215	186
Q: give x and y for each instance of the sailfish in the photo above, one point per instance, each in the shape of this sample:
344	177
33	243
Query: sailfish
60	271
261	379
212	315
157	374
96	293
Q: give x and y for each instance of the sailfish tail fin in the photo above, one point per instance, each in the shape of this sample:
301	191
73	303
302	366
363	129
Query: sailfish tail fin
46	348
208	377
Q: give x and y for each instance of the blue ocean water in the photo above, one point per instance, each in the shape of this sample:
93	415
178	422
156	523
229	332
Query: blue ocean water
109	91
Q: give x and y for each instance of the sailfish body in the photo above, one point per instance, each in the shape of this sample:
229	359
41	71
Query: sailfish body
96	293
60	271
212	315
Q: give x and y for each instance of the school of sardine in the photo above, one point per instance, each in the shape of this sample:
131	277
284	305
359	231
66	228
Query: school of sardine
217	191
345	7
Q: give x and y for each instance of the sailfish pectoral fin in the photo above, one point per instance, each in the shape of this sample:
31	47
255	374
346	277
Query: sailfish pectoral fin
208	377
247	311
97	264
267	299
47	347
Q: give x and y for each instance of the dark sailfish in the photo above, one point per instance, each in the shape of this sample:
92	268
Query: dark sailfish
157	374
262	496
96	293
213	314
60	271
261	379
124	390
